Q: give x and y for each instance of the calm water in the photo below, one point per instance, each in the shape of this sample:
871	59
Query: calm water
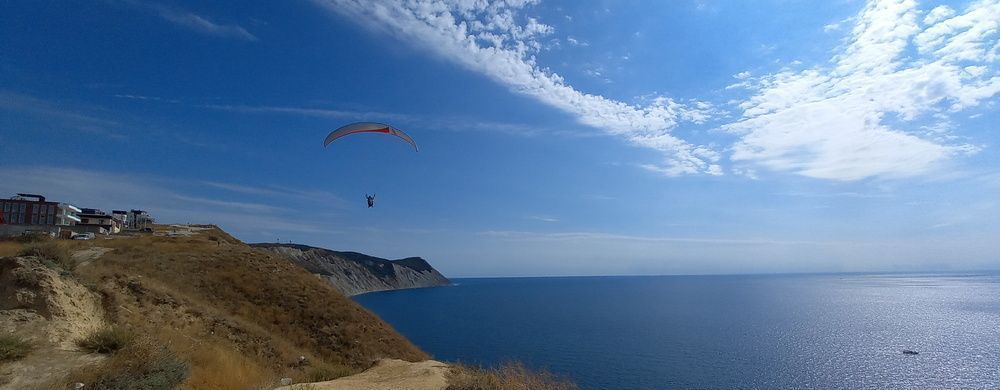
717	332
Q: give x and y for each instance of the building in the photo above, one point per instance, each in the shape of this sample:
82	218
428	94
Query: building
29	212
97	221
66	215
138	220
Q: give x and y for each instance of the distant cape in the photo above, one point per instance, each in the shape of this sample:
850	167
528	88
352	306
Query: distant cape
356	273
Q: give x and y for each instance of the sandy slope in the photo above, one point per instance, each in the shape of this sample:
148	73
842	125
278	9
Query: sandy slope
388	374
51	311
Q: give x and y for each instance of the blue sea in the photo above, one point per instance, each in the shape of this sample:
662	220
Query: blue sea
835	331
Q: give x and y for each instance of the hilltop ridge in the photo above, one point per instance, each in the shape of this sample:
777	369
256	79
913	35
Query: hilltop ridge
225	314
354	273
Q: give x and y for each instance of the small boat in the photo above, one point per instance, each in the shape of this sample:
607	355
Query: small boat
909	352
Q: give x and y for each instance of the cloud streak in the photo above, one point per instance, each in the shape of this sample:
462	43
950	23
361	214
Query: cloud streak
495	40
50	112
457	124
197	23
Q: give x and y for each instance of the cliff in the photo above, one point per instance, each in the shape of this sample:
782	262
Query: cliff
188	307
355	273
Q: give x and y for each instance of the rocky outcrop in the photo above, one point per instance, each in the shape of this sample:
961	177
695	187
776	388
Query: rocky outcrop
36	297
354	273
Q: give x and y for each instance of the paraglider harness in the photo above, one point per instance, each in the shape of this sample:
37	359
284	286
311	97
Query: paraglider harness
371	200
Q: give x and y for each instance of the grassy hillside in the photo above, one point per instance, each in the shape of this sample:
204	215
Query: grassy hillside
191	308
235	316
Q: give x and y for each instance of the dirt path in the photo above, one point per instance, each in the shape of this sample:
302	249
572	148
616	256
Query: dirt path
85	256
388	374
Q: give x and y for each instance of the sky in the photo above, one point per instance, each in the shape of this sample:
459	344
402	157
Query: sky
556	137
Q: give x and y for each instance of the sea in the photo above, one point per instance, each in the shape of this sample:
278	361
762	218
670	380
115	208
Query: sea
829	331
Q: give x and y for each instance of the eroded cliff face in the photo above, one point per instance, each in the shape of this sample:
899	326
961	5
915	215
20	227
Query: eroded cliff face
355	273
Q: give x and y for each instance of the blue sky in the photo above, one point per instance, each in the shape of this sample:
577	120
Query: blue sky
556	137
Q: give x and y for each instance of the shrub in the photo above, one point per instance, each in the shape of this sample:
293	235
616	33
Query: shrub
51	253
108	340
13	348
30	237
510	376
327	373
140	365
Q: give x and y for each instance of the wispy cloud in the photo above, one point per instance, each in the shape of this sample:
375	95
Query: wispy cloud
55	113
860	195
458	124
598	236
145	98
311	111
542	218
318	196
246	206
194	22
577	42
486	38
855	119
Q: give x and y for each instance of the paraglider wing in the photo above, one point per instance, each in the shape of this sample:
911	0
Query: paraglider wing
368	127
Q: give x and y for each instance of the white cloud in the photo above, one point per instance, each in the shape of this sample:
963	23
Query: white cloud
855	118
495	40
195	22
938	14
831	27
576	42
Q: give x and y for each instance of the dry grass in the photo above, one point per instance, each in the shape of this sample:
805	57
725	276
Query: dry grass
108	340
142	364
51	253
9	248
325	373
33	237
241	317
213	367
13	348
510	376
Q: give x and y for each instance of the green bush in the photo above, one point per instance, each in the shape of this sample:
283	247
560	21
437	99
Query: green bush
107	340
13	348
51	253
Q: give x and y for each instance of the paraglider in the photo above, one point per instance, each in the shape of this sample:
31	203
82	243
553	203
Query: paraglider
368	127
